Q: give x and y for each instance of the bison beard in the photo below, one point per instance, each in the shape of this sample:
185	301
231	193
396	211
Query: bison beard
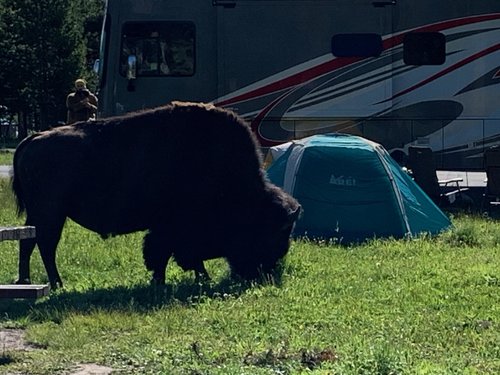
188	174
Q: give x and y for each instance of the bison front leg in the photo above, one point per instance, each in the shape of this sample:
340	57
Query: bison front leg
155	256
200	273
190	263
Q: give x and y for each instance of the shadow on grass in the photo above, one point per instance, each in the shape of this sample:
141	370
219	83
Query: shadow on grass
139	298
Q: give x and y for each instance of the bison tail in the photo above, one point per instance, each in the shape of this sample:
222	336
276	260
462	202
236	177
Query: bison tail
16	188
15	181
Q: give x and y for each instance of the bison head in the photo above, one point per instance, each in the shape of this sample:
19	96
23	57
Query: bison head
267	235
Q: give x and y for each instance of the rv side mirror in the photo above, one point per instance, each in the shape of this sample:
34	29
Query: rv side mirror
96	66
131	67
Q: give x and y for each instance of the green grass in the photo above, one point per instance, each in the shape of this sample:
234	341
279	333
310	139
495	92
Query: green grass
421	306
6	157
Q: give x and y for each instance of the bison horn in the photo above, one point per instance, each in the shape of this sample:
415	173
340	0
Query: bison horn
293	216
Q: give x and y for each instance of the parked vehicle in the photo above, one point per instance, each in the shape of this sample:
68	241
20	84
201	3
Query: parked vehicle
397	72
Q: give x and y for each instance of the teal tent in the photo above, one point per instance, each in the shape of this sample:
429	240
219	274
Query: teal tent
352	190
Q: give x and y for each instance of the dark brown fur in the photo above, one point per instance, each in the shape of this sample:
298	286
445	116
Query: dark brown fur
188	174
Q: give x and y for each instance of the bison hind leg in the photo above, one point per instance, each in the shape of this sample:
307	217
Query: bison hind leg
26	247
48	233
156	256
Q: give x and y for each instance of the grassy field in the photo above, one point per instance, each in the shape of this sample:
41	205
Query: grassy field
6	157
420	306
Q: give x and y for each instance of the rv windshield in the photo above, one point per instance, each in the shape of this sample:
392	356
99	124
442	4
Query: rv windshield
160	48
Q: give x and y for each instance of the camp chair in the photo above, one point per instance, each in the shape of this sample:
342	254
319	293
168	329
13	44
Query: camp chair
423	170
491	196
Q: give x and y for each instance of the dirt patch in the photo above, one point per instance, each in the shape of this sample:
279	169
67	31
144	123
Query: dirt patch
92	369
13	339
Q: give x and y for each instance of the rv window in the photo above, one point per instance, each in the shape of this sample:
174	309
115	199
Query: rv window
356	45
160	48
424	48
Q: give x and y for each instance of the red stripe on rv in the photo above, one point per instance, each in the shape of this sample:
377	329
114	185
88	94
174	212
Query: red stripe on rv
451	68
337	63
292	80
439	26
255	124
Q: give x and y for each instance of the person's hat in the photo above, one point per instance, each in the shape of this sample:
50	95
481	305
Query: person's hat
80	84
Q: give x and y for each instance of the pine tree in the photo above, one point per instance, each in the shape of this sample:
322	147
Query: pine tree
42	52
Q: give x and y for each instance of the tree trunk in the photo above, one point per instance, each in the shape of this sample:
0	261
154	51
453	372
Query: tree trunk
22	131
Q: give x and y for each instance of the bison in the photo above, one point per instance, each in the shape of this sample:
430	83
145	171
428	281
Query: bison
189	174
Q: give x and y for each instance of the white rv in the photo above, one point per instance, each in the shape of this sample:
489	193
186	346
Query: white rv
397	72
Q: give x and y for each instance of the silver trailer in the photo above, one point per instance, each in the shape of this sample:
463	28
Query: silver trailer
398	72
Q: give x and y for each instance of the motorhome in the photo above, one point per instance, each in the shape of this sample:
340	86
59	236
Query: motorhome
398	72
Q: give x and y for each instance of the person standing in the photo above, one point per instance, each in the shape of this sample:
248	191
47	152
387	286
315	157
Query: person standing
81	104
